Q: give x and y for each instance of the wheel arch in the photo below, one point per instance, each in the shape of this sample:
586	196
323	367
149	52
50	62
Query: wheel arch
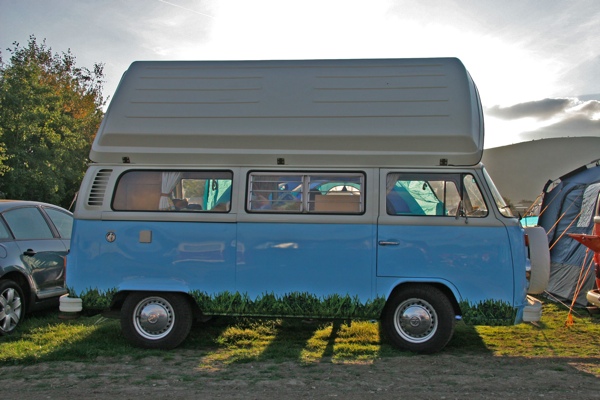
445	289
119	298
20	279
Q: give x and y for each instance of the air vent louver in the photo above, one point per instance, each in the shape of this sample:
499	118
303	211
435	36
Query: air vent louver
99	186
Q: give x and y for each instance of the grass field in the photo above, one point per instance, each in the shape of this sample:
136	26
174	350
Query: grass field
45	337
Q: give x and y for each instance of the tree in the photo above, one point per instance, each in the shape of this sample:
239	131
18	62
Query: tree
50	111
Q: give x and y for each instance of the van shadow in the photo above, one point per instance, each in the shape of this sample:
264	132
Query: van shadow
465	340
293	340
310	341
241	340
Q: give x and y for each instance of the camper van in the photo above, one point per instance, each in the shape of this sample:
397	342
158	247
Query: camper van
336	189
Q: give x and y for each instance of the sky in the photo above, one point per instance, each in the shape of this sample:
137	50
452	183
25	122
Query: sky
536	63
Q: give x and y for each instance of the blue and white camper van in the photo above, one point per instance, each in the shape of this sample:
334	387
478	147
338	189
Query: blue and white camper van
346	189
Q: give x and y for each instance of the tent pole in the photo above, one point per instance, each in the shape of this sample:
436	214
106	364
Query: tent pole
579	286
566	229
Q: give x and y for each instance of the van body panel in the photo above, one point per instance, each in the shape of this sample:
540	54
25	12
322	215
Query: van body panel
385	285
197	256
322	259
470	257
257	254
520	258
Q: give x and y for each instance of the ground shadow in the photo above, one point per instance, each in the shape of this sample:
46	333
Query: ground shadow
466	339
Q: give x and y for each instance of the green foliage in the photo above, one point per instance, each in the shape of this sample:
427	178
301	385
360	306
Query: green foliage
50	111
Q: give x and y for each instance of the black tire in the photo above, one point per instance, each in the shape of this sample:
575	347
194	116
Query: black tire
12	306
205	321
419	318
156	320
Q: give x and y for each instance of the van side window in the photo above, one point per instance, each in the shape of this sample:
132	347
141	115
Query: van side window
434	195
473	203
326	193
173	191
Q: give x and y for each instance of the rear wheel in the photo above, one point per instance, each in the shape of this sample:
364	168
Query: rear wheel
419	318
12	307
156	321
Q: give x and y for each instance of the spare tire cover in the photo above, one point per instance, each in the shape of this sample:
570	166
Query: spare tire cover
539	255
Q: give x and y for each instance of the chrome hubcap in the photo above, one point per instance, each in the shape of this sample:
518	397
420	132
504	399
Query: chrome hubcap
10	309
415	320
153	318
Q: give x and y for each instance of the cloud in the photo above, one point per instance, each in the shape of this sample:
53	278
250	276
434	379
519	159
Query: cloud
548	109
591	107
541	119
541	109
576	125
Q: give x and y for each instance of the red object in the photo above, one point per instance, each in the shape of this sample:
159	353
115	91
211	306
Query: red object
592	242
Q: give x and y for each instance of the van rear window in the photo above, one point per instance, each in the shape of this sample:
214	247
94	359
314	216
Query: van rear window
173	191
326	193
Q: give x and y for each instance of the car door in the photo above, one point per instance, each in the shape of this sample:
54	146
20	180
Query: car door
437	227
42	251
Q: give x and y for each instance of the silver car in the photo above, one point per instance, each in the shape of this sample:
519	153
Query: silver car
34	240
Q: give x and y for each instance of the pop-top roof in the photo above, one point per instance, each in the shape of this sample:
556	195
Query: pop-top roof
380	112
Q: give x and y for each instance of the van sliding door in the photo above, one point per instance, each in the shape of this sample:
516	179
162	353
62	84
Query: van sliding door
305	238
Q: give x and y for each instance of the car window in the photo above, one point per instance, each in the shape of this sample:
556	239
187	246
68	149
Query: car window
28	223
4	233
62	221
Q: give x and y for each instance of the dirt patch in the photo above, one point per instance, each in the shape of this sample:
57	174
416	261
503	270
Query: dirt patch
184	375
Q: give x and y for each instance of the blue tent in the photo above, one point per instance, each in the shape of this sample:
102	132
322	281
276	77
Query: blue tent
568	206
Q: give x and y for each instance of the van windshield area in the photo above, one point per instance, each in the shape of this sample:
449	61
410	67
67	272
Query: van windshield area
330	193
500	203
173	191
428	194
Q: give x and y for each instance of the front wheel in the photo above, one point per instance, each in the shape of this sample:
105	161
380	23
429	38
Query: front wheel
419	318
12	308
156	321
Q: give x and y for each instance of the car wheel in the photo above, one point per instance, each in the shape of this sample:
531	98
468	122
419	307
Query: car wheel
12	307
419	318
156	321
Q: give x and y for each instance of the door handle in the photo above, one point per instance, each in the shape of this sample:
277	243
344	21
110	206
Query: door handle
388	243
29	253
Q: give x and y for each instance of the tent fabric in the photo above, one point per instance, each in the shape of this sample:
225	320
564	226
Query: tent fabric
568	207
587	208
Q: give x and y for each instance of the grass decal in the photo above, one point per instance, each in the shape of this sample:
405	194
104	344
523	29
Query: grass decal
289	305
94	298
488	312
302	304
